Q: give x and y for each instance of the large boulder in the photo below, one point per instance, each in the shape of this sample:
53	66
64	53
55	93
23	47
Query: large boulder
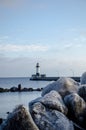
82	91
19	119
83	78
63	85
48	119
77	107
53	100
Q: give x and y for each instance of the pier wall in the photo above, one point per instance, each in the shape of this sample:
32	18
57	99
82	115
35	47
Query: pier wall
52	78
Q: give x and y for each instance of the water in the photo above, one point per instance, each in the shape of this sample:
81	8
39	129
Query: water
9	100
25	82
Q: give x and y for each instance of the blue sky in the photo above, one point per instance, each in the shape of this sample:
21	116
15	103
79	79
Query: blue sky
51	32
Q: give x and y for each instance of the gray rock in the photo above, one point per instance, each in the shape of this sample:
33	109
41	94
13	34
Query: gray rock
54	101
83	78
76	106
82	91
33	102
47	119
1	120
63	85
13	89
19	119
77	127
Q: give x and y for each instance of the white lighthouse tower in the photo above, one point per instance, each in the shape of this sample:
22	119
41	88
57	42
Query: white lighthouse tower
38	76
37	69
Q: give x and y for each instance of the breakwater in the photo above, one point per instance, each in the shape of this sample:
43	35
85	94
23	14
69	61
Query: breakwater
19	89
52	78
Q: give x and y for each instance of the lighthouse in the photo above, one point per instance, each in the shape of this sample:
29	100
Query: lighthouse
37	69
37	75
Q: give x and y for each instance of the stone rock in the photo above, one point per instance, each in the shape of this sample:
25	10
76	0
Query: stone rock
1	120
63	85
83	78
33	102
1	89
39	89
13	89
19	87
77	127
51	100
30	89
47	119
19	119
76	106
82	91
54	101
25	90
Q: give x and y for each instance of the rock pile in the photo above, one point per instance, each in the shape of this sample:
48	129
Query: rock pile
19	119
62	106
63	85
76	106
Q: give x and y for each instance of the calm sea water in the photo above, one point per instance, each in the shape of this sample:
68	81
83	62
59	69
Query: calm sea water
9	100
25	82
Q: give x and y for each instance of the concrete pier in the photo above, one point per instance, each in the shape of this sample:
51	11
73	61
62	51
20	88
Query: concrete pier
52	78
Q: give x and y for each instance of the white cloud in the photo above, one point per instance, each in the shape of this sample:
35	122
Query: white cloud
3	37
75	42
72	45
68	45
22	48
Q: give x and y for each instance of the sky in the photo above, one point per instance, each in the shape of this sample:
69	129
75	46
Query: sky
51	32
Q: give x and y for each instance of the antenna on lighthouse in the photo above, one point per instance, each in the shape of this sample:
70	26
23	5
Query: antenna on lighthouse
37	69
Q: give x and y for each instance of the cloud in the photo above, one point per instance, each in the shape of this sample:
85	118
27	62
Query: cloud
4	37
22	48
75	42
68	45
72	45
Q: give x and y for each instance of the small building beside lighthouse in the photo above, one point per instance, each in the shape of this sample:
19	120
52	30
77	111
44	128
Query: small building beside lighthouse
37	75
